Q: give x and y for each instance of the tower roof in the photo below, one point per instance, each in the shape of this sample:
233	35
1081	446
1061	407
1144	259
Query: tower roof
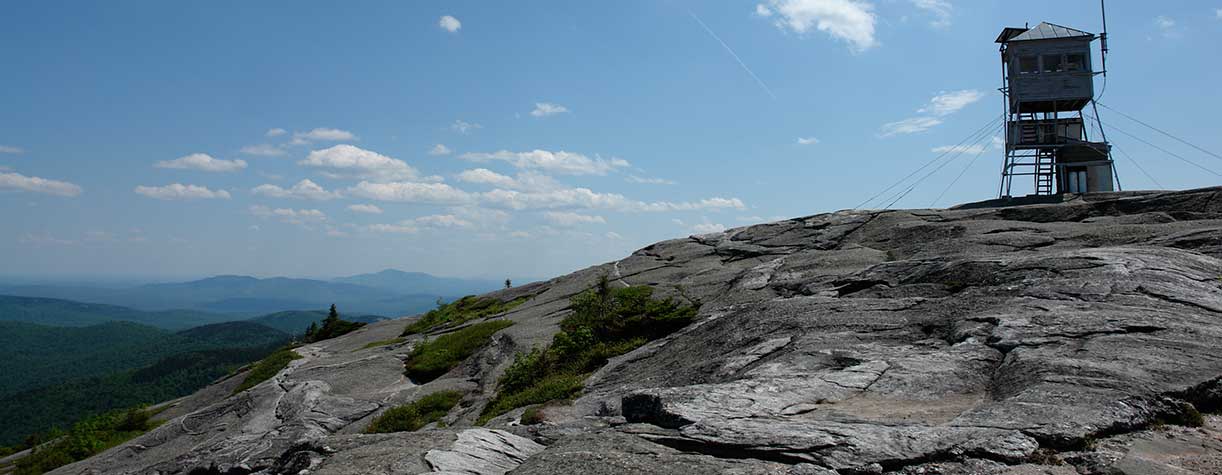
1042	31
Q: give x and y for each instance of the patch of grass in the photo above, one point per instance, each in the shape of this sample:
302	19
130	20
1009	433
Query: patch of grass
392	341
266	368
86	438
411	417
606	322
433	358
460	311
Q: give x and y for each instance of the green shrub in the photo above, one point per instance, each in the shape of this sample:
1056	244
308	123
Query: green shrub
433	358
552	388
266	368
533	415
460	311
411	417
86	438
606	322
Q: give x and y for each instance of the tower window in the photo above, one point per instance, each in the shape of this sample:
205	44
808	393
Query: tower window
1054	63
1075	62
1028	65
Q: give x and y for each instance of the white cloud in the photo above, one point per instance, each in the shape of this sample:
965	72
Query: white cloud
439	150
762	11
276	132
614	236
1168	26
910	126
851	21
365	208
411	192
178	191
443	221
485	176
940	9
564	163
968	149
202	162
649	180
44	239
449	24
263	150
708	228
9	149
33	184
941	105
463	127
289	215
807	141
544	109
304	189
947	103
568	218
584	198
322	134
1218	13
347	161
392	228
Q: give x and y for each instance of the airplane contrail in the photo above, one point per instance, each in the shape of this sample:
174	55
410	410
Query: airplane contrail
732	53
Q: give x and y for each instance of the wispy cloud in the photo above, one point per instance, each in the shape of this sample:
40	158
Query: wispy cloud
322	134
365	208
439	150
178	191
276	132
412	192
851	21
263	150
733	55
1168	27
941	105
289	215
303	190
464	127
569	218
449	23
909	126
564	163
942	10
33	184
807	141
10	150
649	180
202	162
544	109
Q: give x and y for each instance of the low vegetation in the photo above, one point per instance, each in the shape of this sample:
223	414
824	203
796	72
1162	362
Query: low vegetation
267	367
86	438
606	322
411	417
332	327
375	344
461	311
433	358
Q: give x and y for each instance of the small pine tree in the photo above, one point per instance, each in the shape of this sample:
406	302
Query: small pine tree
508	283
310	332
332	317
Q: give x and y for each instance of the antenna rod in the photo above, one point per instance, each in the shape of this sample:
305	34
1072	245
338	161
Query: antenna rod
1103	37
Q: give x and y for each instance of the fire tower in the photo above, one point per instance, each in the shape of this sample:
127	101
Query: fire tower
1048	81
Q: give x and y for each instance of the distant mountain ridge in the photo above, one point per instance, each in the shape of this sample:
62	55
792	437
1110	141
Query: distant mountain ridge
389	292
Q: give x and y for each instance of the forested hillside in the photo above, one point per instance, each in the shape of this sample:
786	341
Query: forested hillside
57	375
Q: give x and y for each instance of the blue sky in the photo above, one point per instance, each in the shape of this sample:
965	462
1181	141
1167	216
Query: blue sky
472	138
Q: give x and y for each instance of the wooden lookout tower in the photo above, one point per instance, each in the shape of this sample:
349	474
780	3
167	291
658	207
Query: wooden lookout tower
1048	81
